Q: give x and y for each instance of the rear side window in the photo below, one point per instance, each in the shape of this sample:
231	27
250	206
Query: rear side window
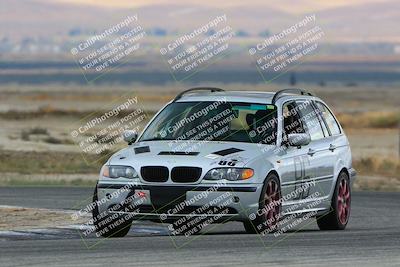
330	120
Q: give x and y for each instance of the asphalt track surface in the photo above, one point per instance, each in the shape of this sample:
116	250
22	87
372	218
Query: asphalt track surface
372	238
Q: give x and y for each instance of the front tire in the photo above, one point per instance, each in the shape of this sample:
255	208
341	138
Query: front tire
267	218
339	214
116	227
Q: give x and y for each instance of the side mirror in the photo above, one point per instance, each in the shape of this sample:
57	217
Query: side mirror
129	136
299	139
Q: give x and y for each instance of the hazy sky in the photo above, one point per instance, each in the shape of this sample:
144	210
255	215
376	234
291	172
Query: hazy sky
342	20
291	6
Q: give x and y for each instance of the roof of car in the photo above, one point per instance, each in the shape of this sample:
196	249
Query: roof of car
234	96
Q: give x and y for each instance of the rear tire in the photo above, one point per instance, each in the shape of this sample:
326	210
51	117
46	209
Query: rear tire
266	220
339	213
109	229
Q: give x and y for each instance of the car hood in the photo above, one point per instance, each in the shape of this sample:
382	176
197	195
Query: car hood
186	153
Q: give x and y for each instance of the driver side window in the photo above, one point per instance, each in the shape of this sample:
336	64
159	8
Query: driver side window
292	122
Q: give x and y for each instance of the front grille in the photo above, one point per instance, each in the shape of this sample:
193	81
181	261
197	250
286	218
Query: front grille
154	173
185	174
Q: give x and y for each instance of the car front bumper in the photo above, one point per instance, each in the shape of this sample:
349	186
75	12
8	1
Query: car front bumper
170	202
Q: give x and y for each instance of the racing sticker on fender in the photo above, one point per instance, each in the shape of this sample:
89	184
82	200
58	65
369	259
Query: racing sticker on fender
231	162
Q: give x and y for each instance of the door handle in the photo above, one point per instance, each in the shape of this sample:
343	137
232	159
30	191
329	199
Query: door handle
332	147
311	152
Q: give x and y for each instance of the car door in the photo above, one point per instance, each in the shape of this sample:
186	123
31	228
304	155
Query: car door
320	158
294	161
336	143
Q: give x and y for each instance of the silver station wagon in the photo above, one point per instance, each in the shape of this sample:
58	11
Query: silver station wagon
212	156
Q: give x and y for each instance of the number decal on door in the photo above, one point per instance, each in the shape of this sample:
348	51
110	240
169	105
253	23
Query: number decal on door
301	163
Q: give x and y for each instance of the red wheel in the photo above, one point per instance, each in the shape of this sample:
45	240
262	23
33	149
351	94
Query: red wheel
273	208
268	215
343	201
339	214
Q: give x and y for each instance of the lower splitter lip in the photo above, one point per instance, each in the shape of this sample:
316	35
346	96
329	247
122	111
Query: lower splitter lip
218	217
180	187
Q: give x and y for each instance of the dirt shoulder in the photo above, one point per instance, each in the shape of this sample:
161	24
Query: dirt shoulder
21	218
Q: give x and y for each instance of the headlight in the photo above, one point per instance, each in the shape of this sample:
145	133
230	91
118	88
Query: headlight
119	171
231	174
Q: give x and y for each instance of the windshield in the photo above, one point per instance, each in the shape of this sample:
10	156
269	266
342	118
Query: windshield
214	121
